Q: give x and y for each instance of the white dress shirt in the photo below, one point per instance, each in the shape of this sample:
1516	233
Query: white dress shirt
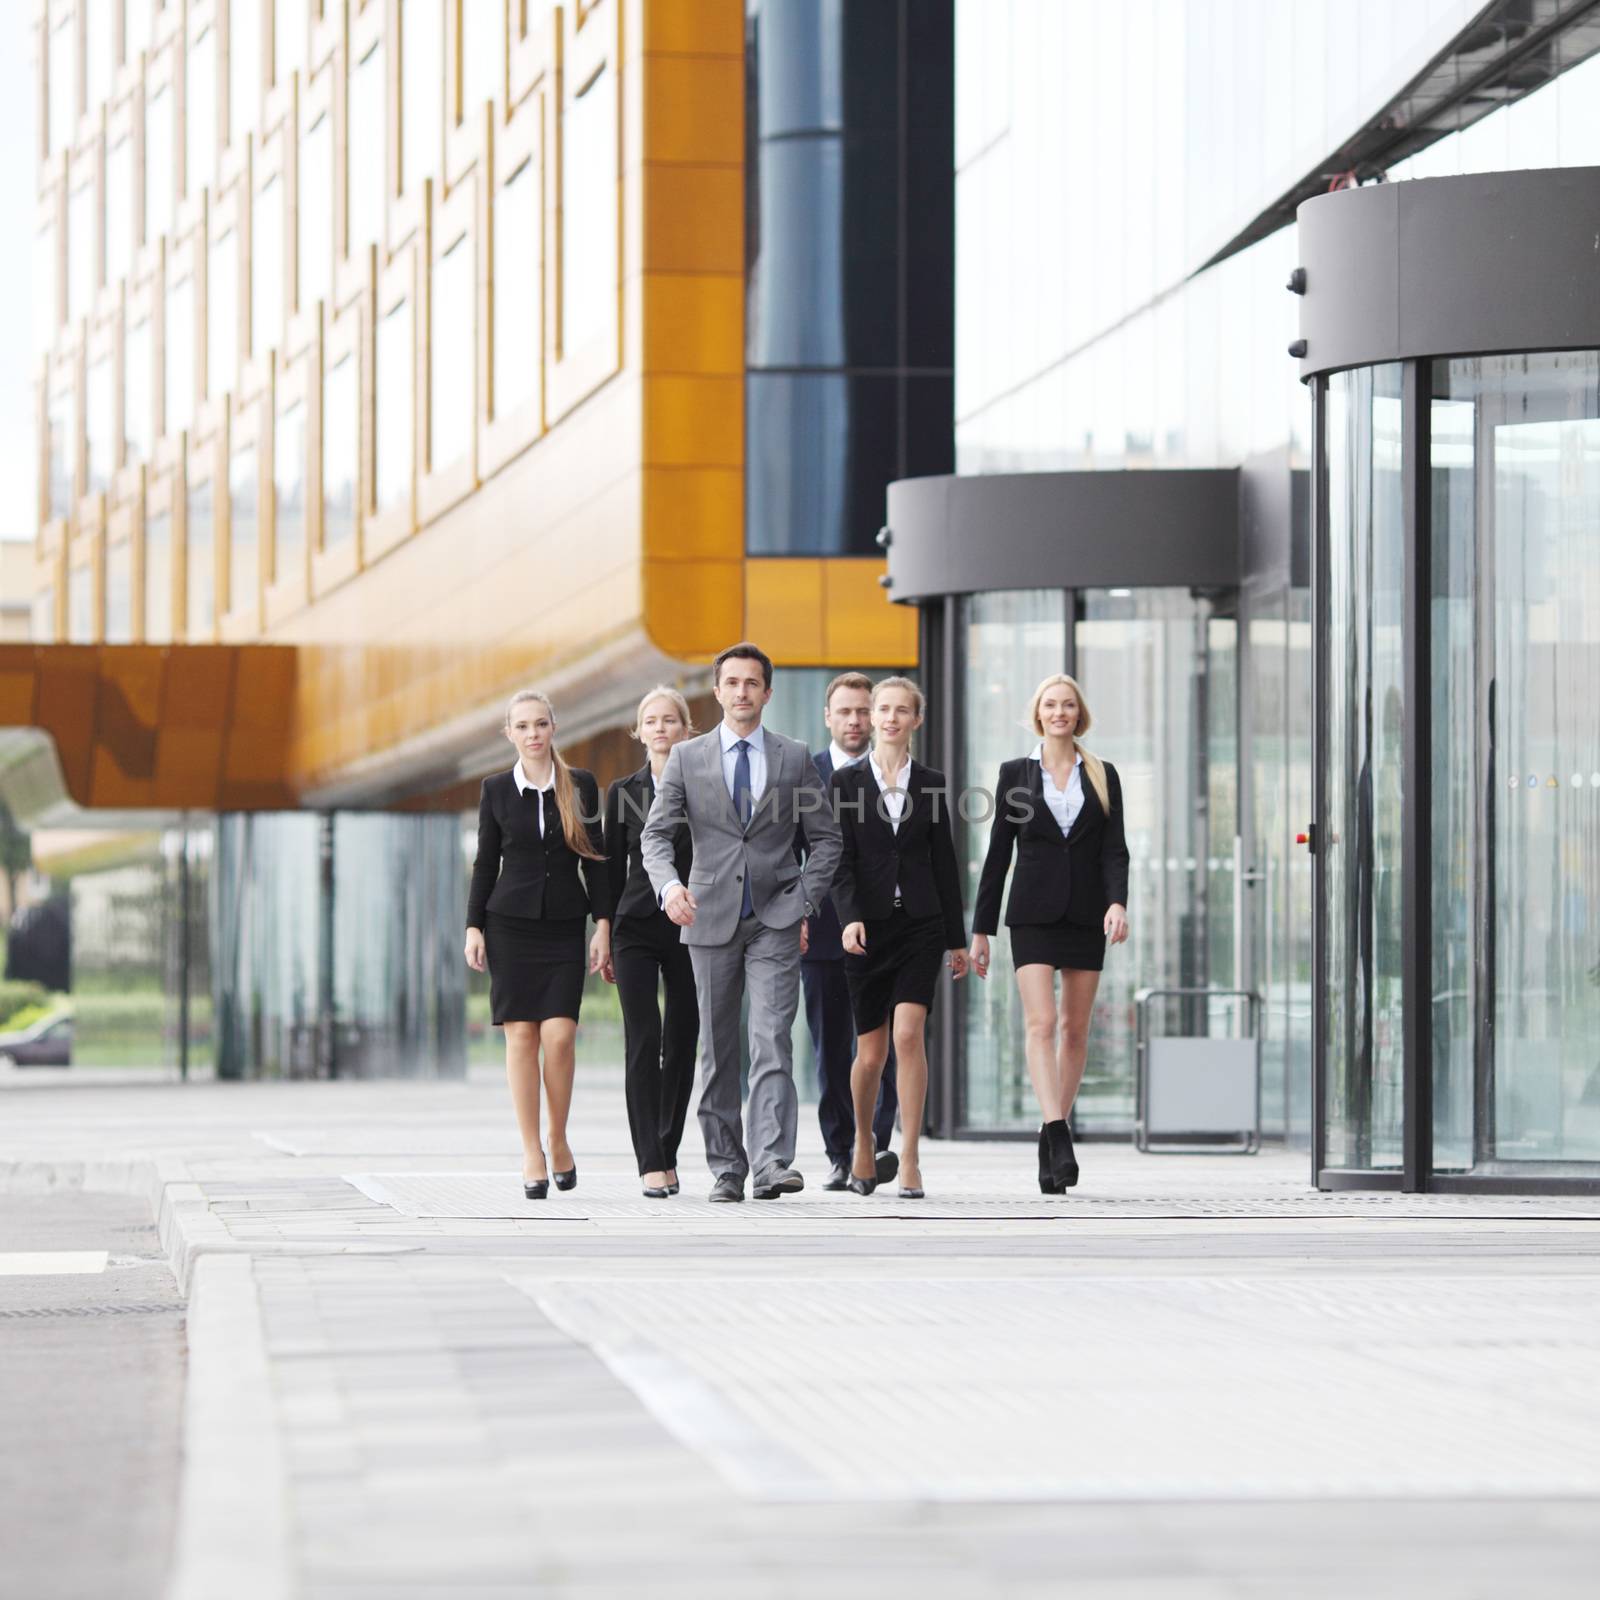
1064	804
839	756
895	800
525	783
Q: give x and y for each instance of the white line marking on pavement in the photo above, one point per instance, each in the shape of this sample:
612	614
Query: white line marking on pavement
52	1263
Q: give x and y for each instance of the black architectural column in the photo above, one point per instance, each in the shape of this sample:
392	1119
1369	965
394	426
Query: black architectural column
850	265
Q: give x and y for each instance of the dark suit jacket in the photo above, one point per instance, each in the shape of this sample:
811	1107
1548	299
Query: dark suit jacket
1077	877
628	803
920	856
518	873
823	932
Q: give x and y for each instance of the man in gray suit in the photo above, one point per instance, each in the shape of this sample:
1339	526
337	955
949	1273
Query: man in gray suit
750	796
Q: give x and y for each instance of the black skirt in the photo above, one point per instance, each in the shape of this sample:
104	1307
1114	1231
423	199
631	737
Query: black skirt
536	967
1075	945
904	954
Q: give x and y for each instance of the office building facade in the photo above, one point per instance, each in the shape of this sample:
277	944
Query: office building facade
1152	493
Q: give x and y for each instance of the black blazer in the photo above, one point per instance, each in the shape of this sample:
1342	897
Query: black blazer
628	803
920	856
823	932
1077	877
518	873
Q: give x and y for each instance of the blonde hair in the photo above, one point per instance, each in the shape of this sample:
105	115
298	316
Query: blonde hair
907	684
572	826
1094	768
663	691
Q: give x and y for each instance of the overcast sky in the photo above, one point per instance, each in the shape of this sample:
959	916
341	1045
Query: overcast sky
18	206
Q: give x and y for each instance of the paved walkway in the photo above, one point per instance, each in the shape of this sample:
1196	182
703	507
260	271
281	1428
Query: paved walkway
1193	1377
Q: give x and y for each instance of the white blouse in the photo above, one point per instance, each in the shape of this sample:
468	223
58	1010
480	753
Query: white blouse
1064	804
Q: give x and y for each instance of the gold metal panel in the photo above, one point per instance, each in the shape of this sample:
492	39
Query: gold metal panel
783	608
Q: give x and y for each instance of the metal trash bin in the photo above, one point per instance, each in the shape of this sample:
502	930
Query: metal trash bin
1193	1091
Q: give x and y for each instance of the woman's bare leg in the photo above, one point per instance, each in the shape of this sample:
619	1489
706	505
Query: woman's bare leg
1036	985
522	1075
558	1036
1078	990
911	1069
866	1073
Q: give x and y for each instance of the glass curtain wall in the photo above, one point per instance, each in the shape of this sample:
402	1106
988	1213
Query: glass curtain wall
336	946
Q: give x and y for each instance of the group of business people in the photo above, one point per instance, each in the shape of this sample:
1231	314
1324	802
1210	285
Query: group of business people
709	874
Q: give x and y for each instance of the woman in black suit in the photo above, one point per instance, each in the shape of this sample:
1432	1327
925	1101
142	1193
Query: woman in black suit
540	873
646	953
898	894
1061	808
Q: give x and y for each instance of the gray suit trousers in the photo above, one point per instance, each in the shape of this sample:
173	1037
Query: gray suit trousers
766	961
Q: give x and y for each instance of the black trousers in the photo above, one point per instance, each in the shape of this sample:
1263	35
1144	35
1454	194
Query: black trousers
833	1039
658	1043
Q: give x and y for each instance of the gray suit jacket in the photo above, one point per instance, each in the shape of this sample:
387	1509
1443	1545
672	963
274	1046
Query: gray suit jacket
793	810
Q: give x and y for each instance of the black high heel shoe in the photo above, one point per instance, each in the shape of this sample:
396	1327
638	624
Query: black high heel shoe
1047	1184
567	1179
535	1189
1063	1163
862	1186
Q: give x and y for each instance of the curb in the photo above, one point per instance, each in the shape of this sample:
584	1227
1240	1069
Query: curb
233	1528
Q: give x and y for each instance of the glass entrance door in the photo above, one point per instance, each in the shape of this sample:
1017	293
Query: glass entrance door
1158	668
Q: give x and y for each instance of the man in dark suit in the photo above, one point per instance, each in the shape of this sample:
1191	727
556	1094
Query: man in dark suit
847	714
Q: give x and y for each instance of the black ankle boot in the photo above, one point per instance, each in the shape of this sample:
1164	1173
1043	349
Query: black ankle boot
1047	1184
1063	1163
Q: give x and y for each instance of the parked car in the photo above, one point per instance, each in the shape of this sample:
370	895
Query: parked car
45	1043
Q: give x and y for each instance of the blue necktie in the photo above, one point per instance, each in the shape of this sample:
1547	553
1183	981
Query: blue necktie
744	804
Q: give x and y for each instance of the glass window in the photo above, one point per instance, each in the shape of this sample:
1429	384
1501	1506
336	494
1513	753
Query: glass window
421	90
1013	639
119	593
200	112
289	39
202	562
119	209
341	400
63	85
1364	728
136	394
222	332
63	453
289	492
43	630
394	387
180	355
589	214
821	449
158	579
515	300
266	269
314	235
159	177
98	42
99	421
83	247
452	401
244	541
483	54
80	606
47	310
367	178
244	67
